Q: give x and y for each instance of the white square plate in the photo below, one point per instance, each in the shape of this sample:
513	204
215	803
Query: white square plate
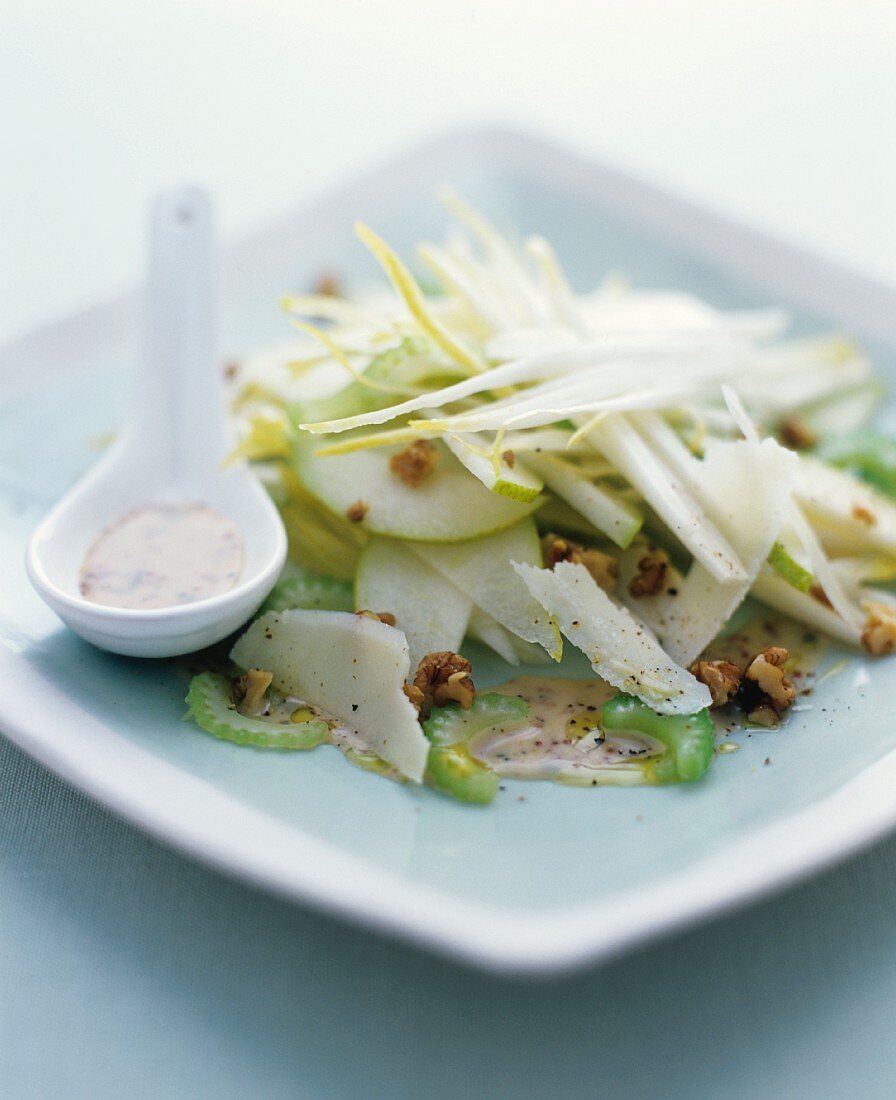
540	882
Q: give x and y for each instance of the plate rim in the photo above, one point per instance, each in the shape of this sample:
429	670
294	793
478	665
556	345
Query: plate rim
295	865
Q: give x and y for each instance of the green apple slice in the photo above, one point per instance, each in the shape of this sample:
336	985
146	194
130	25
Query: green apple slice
428	609
784	561
621	650
489	631
448	506
516	481
348	666
483	570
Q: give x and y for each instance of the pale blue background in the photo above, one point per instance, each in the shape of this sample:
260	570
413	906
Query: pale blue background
130	972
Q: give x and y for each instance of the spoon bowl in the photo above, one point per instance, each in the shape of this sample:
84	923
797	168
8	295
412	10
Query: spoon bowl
170	451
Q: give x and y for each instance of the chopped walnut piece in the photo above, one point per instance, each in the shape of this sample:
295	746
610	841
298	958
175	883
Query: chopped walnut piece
357	512
763	715
652	576
721	677
415	695
765	684
415	463
879	635
327	285
380	616
249	692
863	515
796	434
604	568
444	677
554	549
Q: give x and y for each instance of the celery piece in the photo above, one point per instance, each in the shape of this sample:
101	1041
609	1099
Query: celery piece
380	384
451	770
310	591
689	738
452	724
867	454
450	767
209	706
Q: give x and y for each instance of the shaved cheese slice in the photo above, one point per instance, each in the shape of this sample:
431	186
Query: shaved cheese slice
621	650
351	667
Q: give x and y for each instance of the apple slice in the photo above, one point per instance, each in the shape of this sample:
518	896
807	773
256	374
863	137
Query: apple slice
350	667
510	479
447	506
482	569
498	638
431	612
489	631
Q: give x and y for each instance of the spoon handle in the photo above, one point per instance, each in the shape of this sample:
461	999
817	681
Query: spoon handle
177	419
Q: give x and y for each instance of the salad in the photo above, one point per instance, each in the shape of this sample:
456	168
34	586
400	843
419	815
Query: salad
486	459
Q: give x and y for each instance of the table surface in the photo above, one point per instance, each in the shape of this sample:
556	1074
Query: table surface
129	971
126	970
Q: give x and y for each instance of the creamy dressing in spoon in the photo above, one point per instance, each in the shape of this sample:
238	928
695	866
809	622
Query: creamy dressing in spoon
163	555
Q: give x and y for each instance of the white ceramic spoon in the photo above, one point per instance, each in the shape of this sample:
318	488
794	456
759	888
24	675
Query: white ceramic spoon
170	450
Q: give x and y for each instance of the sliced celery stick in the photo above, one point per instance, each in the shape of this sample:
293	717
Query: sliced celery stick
310	591
618	518
210	707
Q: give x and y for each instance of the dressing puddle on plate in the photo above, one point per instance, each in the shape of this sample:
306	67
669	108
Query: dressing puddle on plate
562	738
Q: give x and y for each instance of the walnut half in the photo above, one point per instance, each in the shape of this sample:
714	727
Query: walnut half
442	677
721	677
765	685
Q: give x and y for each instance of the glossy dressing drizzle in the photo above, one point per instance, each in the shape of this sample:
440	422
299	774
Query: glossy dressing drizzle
163	555
561	740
